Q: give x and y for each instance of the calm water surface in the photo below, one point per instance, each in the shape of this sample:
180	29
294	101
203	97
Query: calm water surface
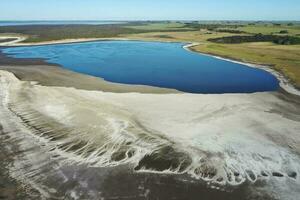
152	63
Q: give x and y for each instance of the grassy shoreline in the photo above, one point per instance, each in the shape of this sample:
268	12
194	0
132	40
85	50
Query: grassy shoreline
284	59
285	83
34	64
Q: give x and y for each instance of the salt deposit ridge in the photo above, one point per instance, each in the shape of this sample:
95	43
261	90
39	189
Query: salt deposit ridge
225	139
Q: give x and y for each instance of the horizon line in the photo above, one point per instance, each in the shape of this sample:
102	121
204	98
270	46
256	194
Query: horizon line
129	20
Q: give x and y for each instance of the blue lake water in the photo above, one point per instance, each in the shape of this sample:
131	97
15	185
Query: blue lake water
152	63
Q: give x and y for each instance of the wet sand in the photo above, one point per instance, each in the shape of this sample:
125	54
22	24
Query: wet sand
85	182
72	181
40	120
46	74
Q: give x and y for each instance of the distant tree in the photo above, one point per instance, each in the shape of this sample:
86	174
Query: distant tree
282	40
229	31
290	24
283	32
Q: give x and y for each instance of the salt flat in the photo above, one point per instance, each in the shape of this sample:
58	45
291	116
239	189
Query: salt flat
224	139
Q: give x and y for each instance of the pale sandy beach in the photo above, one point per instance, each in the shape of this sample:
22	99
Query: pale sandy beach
19	41
15	40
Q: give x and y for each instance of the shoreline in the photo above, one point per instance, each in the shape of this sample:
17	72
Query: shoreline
284	83
17	40
65	41
55	76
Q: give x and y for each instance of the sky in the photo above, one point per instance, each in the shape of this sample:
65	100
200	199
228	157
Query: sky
149	9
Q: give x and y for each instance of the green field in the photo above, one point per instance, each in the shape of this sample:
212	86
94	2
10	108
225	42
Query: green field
40	33
160	26
283	58
271	29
